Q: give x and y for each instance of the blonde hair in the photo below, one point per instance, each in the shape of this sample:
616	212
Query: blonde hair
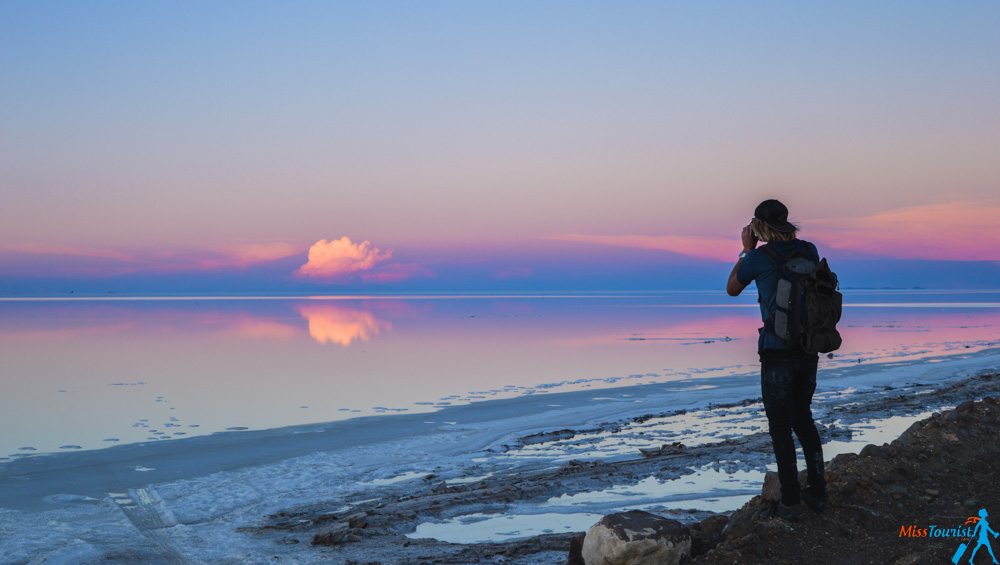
765	232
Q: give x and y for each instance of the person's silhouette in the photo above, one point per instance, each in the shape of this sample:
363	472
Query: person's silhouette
984	530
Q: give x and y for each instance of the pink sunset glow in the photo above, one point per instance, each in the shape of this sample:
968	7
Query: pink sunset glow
718	248
249	254
82	260
397	272
963	231
68	250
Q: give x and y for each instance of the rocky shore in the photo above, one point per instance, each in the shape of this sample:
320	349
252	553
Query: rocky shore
940	471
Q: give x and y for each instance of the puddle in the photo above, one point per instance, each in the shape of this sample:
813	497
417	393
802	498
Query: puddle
692	429
876	432
702	490
705	489
715	488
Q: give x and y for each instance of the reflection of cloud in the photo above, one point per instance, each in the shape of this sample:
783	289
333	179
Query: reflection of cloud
951	230
58	320
718	248
339	324
330	259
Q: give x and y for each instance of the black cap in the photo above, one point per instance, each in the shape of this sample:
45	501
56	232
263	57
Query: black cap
774	214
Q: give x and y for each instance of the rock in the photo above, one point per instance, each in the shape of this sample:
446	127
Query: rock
706	534
636	538
665	449
896	490
332	535
771	491
841	460
543	437
918	558
869	450
357	520
576	551
966	407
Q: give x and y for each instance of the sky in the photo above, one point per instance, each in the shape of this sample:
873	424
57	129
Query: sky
365	146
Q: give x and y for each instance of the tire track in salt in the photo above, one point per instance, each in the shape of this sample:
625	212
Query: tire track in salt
149	514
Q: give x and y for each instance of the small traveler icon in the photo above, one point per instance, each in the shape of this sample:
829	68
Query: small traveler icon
981	533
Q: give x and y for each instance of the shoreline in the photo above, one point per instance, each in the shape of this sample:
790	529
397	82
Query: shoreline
396	511
25	482
501	457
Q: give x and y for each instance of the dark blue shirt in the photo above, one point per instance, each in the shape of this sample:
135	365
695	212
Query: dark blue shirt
758	266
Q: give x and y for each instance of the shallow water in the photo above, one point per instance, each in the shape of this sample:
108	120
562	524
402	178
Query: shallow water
723	486
87	374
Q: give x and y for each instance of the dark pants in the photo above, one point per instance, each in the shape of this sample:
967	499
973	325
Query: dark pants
787	382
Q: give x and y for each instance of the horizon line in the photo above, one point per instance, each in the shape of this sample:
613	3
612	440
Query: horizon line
442	295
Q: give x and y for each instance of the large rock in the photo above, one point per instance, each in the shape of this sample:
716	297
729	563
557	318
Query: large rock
771	491
636	538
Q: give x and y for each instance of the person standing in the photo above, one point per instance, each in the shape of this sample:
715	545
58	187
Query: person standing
788	374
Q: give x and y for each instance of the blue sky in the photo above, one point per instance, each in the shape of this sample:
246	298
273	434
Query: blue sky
206	140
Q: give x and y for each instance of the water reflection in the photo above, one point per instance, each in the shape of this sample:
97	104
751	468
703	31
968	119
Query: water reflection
340	324
253	327
93	373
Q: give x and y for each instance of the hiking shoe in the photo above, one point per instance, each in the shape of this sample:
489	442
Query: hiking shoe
814	499
788	512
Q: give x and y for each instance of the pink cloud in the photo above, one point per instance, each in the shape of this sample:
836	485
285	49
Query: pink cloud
338	257
945	231
91	261
243	255
951	230
705	247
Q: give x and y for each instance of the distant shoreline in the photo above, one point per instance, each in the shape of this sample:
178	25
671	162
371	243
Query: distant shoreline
111	295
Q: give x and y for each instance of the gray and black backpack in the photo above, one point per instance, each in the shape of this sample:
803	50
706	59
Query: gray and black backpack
808	302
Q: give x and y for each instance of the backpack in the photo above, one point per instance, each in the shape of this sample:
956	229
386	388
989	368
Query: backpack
807	302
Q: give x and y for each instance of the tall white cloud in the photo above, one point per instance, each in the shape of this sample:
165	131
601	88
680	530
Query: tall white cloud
339	257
